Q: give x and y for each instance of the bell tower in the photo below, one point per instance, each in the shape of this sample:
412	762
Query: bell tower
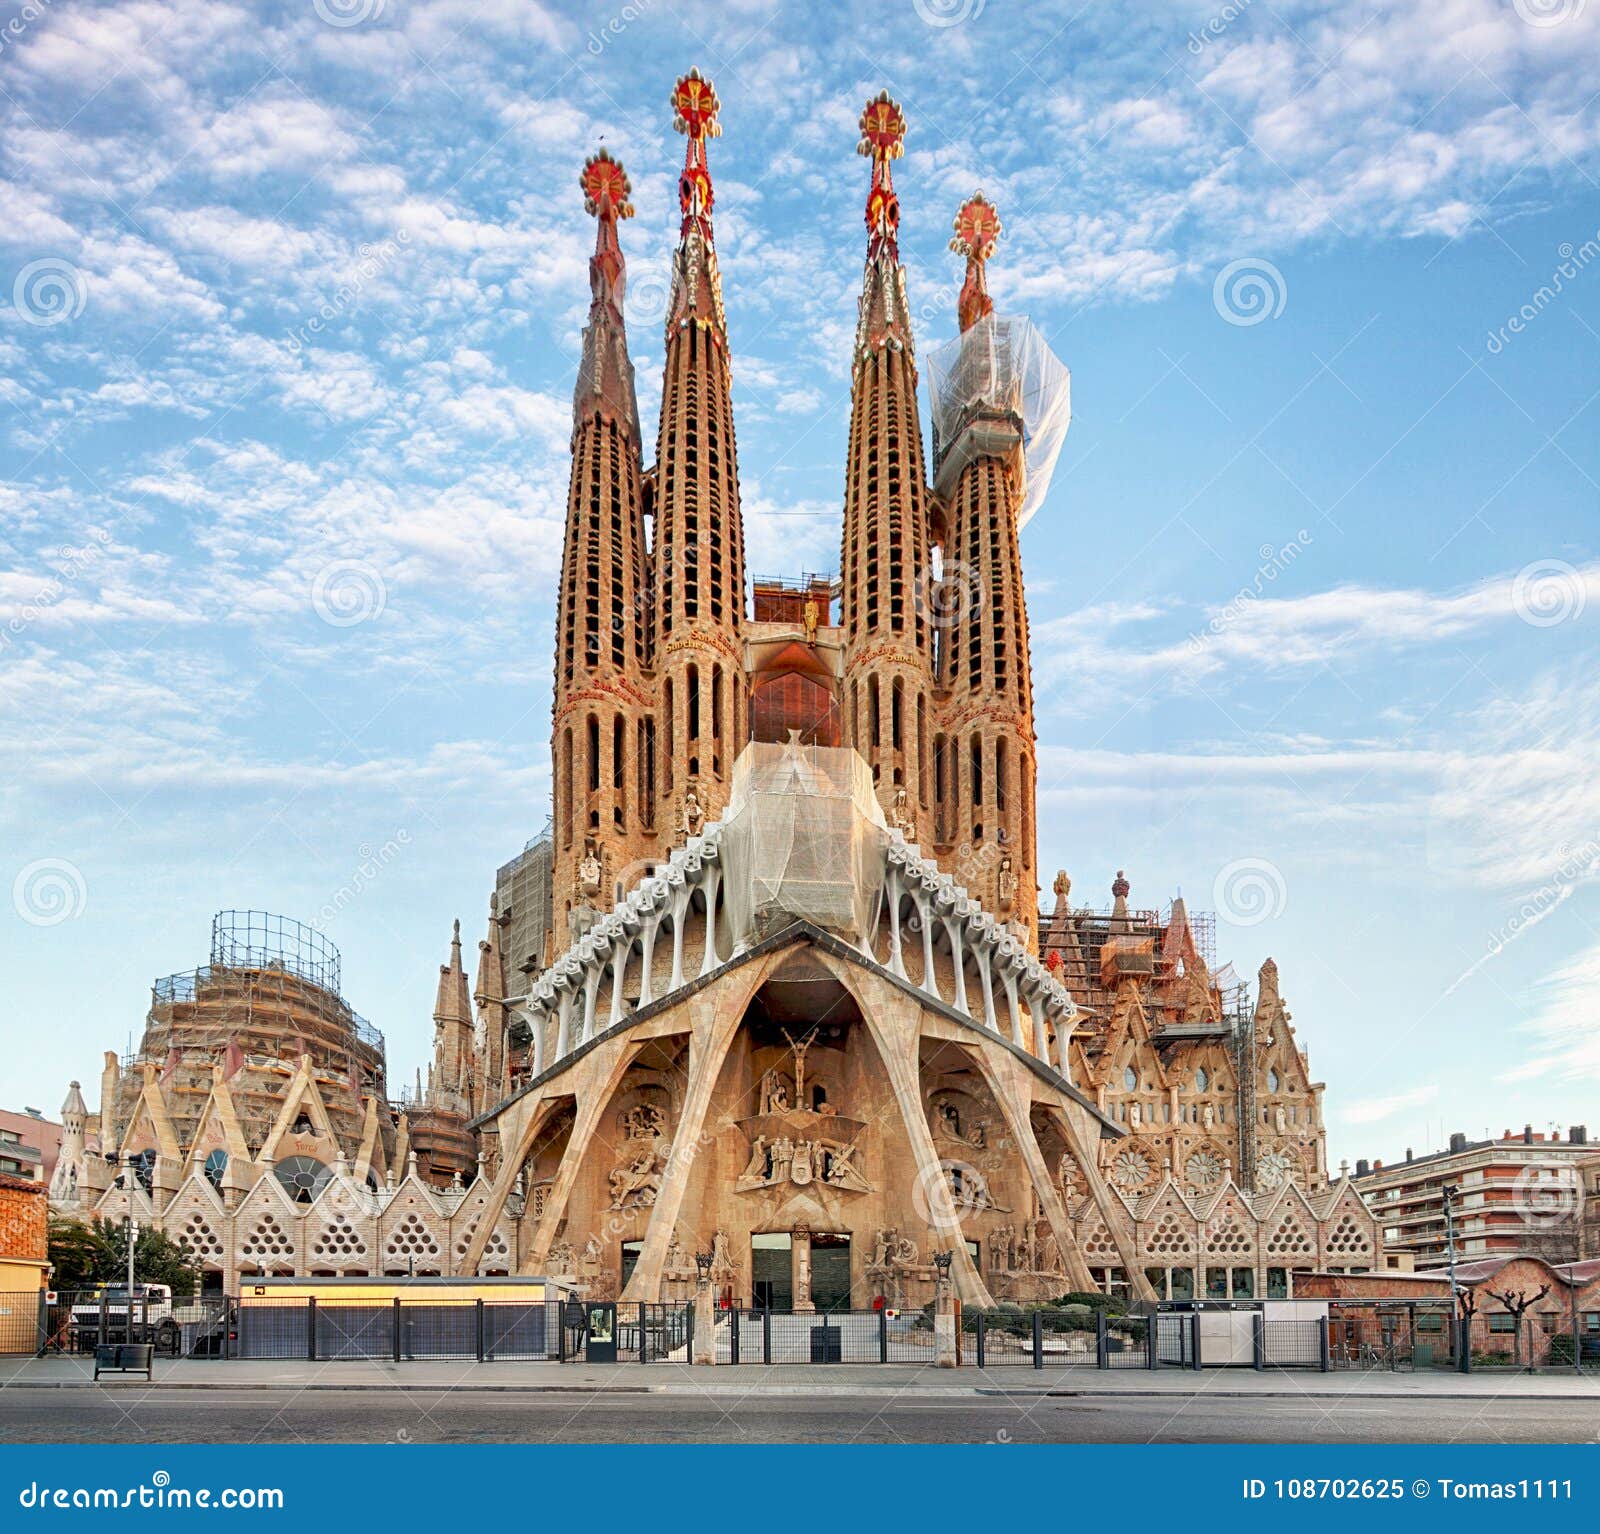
988	766
885	576
699	542
602	743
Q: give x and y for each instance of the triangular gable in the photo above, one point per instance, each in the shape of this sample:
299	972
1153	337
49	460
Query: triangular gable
219	1128
302	1093
150	1126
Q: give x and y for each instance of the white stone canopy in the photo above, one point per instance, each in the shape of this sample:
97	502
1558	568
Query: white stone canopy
746	874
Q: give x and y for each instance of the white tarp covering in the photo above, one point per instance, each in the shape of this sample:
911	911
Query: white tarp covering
1003	363
803	836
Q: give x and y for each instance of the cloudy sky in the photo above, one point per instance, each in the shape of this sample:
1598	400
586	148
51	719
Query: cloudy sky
290	297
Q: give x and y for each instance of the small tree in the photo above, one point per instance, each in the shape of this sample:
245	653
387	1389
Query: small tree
158	1259
81	1253
1518	1303
89	1252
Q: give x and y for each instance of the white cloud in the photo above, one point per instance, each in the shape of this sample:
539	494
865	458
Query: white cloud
1371	1110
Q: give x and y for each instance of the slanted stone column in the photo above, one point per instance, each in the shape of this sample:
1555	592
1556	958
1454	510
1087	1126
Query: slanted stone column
944	1323
705	1322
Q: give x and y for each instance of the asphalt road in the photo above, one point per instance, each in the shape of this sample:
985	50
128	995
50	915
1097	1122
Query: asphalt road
73	1416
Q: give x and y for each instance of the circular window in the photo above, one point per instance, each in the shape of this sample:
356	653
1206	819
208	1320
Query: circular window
216	1165
303	1177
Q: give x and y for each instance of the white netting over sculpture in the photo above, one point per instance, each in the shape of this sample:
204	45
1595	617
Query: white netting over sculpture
803	836
1003	365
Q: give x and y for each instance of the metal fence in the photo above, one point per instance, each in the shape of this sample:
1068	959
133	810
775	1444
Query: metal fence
77	1321
747	1335
332	1330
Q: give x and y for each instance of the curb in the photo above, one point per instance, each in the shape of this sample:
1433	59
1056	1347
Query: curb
968	1392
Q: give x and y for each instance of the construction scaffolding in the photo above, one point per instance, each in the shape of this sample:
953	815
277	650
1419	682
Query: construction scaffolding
262	940
1002	367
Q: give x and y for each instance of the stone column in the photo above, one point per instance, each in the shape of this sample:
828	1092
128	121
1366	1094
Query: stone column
705	1323
944	1324
800	1243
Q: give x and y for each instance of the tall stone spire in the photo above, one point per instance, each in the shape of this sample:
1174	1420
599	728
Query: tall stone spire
984	664
452	1024
602	739
699	536
885	575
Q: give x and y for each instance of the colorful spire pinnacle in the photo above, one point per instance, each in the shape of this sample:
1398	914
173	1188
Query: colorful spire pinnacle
694	113
883	138
977	228
606	190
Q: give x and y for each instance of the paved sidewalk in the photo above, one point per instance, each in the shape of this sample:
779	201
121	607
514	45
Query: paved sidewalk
67	1373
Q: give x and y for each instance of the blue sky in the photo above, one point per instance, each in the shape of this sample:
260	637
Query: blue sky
290	297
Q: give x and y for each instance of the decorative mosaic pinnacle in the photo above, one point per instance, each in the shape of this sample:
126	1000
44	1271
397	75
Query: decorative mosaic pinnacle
694	113
977	229
606	188
695	107
883	139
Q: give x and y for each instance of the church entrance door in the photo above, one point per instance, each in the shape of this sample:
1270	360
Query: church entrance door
830	1271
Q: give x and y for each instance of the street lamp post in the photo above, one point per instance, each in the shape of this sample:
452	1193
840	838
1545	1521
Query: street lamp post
1463	1343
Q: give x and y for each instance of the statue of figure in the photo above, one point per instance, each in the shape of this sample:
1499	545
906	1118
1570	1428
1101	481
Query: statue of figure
639	1180
589	871
1050	1256
782	1155
800	1165
1006	883
757	1165
1208	1115
1278	1118
1136	1114
900	815
694	815
676	1259
1000	1249
812	616
839	1167
721	1262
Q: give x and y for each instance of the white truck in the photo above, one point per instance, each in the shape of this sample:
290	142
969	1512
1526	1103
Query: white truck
153	1318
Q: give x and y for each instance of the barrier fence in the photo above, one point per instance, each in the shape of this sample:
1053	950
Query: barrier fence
1351	1337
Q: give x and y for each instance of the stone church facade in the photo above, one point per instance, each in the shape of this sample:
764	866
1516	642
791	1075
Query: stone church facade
797	1009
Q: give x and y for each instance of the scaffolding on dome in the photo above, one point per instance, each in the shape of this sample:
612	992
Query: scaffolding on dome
1003	365
262	940
272	982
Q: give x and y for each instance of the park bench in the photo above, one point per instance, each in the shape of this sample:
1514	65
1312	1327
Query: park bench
123	1358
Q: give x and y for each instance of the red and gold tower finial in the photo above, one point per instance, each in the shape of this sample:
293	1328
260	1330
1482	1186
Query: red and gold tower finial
883	139
694	113
606	190
977	228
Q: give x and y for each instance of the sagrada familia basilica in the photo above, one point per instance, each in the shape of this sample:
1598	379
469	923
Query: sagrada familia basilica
777	988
